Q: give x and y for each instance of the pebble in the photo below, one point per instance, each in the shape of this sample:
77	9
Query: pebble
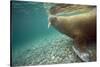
53	57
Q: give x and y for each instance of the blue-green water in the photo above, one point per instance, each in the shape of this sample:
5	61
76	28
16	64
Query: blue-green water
32	42
29	20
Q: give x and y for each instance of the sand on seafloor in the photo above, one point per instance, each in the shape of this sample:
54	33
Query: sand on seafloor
48	49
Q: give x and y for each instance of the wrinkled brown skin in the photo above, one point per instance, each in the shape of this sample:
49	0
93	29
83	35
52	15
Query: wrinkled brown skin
82	28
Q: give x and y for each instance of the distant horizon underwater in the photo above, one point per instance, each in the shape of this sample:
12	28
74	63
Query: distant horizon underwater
32	42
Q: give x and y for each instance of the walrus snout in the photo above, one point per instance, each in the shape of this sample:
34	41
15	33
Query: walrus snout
53	20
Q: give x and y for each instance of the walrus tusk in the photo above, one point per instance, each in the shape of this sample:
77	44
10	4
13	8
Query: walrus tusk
49	24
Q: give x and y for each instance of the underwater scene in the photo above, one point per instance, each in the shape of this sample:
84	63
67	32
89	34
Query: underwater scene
51	33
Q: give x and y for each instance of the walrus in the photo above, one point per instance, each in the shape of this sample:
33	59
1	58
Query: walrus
77	22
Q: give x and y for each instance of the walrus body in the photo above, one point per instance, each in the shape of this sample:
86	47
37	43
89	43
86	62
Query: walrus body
81	27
